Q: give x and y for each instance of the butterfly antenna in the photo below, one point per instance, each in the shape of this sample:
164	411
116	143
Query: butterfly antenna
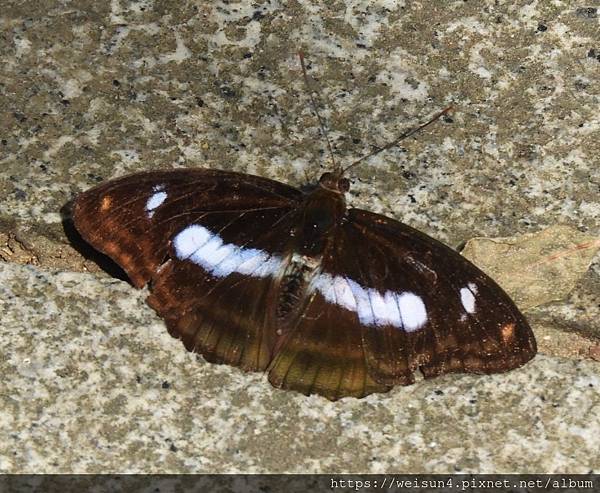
402	136
314	105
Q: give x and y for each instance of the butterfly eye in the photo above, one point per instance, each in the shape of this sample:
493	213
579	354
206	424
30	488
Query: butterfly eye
327	179
343	185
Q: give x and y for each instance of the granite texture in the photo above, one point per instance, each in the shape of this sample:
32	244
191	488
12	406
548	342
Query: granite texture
93	90
96	384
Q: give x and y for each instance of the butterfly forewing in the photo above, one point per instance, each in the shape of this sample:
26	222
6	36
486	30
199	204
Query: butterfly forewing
448	315
391	300
133	219
209	242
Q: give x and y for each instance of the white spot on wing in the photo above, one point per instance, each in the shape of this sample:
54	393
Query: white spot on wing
412	311
206	249
156	200
467	298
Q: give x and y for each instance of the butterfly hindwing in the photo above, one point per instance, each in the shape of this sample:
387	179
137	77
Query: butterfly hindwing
325	352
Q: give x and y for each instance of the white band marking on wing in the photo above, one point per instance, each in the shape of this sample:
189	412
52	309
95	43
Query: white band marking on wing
402	310
412	311
190	240
206	249
363	303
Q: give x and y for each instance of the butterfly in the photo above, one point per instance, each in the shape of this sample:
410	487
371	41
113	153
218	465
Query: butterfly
328	300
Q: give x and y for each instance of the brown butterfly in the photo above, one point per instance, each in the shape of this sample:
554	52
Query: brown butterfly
340	302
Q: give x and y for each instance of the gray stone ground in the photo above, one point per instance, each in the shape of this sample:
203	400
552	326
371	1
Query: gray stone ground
93	90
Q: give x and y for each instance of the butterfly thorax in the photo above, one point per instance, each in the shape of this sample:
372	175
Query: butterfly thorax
322	211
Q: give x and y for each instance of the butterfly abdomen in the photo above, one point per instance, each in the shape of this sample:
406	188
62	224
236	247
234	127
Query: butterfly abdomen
293	290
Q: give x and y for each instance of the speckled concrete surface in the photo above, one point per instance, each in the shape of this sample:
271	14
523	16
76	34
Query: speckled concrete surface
97	384
93	90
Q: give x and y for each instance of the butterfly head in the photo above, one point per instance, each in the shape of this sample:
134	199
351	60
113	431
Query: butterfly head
334	181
